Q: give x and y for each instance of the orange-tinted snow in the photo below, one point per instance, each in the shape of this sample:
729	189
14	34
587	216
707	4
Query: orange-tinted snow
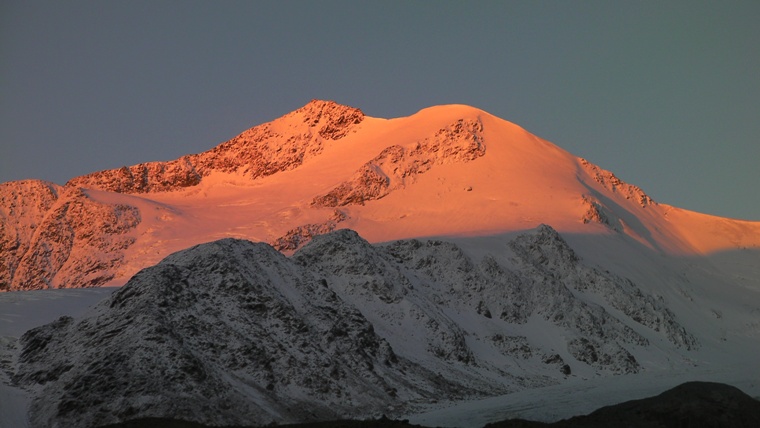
520	182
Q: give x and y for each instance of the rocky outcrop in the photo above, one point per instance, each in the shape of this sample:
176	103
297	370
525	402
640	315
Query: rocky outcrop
553	259
596	212
143	178
531	287
23	206
410	281
615	185
520	347
692	404
363	275
298	237
258	152
603	355
397	166
60	237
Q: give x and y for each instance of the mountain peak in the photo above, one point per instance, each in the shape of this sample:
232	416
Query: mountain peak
263	150
332	118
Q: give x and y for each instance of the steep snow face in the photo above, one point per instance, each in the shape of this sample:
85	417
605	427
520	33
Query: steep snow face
445	171
233	332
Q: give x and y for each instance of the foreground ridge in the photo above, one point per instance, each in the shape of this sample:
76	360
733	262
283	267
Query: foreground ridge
693	404
233	332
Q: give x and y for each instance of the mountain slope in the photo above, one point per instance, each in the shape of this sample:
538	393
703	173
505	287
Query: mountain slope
444	171
227	333
233	332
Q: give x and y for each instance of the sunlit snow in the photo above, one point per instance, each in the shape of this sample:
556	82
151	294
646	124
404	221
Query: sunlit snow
706	268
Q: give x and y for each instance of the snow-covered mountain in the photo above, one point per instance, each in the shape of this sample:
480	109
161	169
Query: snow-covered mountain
445	171
445	255
233	332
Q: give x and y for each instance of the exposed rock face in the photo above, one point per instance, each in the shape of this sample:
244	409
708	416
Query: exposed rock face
23	205
301	235
612	183
385	293
143	178
553	259
527	289
234	332
59	237
260	151
395	166
596	212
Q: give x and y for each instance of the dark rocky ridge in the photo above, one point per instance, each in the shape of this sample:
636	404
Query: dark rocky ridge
225	332
234	332
690	405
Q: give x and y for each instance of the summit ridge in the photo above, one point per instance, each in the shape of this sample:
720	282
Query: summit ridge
257	152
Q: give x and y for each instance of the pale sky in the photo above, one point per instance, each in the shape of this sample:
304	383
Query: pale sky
664	94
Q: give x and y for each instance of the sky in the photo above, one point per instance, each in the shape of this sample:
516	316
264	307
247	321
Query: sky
664	94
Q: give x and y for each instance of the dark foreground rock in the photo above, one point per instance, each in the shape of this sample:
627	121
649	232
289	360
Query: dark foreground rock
173	423
233	332
691	405
226	333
